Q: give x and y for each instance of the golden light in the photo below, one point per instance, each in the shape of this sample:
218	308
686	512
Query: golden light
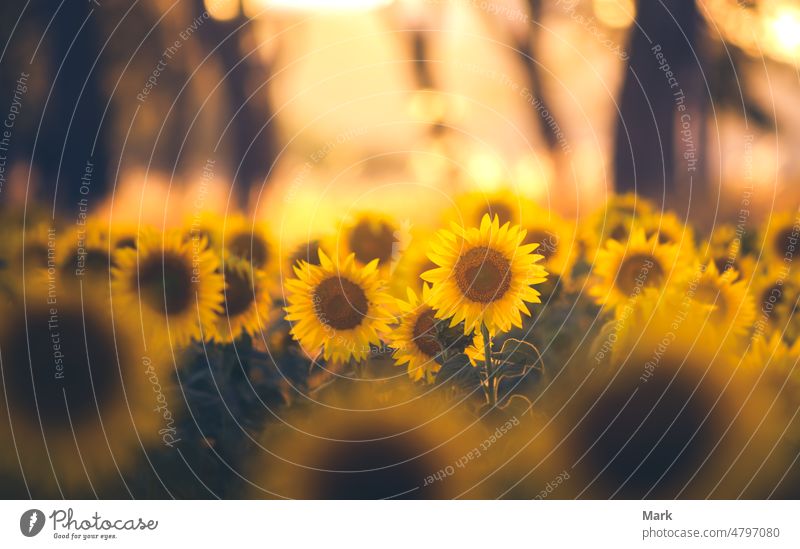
617	14
487	171
785	29
222	10
320	5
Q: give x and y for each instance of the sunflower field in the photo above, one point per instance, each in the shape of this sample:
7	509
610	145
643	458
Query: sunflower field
500	352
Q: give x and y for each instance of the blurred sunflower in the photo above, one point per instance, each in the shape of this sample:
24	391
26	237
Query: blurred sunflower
414	341
174	284
369	236
556	239
775	291
205	226
86	254
251	240
727	302
357	444
484	275
622	270
614	220
724	248
78	407
670	230
246	303
123	235
507	205
673	416
780	238
337	307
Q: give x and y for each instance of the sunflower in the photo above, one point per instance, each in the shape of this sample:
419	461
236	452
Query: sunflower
780	238
252	241
246	303
507	205
673	416
724	248
414	340
369	236
775	292
338	307
359	444
556	239
79	406
622	271
174	284
86	254
484	275
123	234
727	304
614	220
670	230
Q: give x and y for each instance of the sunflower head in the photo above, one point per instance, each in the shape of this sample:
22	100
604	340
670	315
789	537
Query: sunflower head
174	283
671	415
87	254
250	240
370	236
557	242
484	275
623	271
725	301
77	401
338	307
415	341
246	302
781	237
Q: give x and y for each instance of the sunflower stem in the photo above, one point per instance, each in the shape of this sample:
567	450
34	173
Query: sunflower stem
487	355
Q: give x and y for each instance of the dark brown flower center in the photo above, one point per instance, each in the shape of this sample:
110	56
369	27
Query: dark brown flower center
620	231
425	333
95	262
724	264
786	242
166	286
483	274
663	238
128	242
772	296
548	242
308	252
250	246
384	465
239	291
651	438
340	303
639	270
499	209
373	241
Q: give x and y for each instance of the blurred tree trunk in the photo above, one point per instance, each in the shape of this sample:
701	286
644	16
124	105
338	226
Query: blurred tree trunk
660	135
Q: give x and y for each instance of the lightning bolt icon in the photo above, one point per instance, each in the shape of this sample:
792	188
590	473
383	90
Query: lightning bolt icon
34	520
